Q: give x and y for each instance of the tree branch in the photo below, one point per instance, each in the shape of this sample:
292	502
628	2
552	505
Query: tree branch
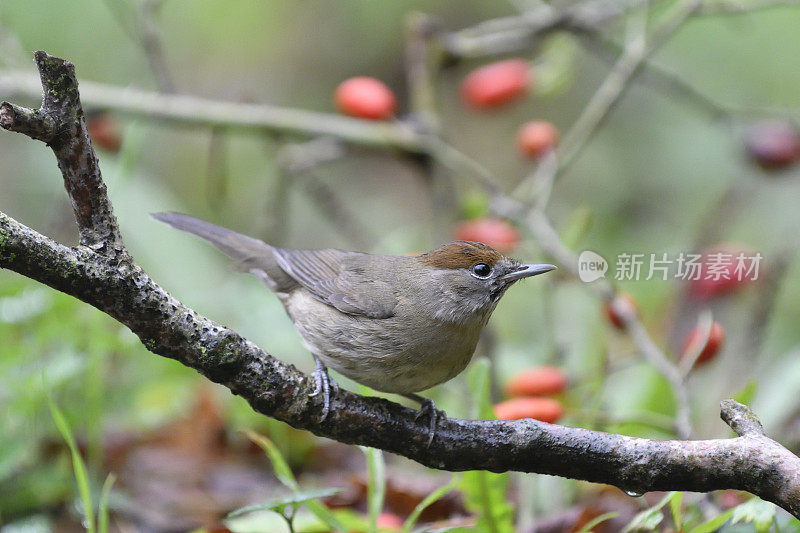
117	286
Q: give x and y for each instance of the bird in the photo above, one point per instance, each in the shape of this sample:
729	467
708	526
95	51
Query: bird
397	324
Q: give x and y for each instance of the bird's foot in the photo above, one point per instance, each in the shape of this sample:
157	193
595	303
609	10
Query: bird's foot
324	385
428	408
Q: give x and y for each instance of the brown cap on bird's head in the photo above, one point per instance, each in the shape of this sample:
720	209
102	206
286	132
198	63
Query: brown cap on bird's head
460	254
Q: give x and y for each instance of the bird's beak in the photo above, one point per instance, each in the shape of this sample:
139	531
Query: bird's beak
524	271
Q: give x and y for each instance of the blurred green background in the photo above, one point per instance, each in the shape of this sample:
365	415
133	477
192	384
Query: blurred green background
650	181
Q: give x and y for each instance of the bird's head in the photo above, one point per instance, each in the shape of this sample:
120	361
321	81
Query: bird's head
470	277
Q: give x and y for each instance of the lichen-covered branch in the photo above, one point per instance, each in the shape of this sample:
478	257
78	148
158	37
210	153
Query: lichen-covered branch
29	122
59	122
116	285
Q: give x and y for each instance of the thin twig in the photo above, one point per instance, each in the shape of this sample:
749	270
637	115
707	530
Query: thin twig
142	29
299	164
192	110
741	7
669	80
327	200
419	71
636	50
151	42
519	32
297	158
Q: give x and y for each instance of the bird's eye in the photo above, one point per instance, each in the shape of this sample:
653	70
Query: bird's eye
481	270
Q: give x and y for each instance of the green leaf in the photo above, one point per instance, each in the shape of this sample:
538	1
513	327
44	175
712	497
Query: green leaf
325	515
280	504
352	520
757	511
284	474
555	66
485	492
102	510
78	466
598	520
257	522
485	495
434	496
279	465
479	381
376	484
645	521
714	524
455	529
748	393
675	507
649	519
474	204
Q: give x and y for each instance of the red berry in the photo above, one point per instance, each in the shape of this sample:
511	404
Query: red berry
498	234
716	337
539	381
389	521
773	144
536	138
723	269
365	97
496	84
544	409
622	306
105	131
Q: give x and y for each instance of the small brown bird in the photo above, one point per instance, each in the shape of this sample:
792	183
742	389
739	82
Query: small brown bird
399	324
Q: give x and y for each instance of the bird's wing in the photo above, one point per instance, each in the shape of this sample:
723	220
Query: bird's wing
338	278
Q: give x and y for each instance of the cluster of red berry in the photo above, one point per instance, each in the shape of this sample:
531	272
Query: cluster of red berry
488	87
531	393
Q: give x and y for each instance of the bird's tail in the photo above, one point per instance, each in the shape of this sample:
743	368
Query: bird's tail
247	252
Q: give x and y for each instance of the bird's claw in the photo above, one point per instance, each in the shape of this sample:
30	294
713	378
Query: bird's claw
428	408
324	384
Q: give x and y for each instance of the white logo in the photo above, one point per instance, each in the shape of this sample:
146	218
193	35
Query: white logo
591	266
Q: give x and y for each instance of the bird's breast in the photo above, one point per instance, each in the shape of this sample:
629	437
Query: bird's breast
402	354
